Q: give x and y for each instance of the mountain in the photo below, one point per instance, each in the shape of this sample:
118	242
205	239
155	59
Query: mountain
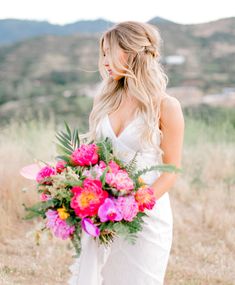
53	70
13	30
159	20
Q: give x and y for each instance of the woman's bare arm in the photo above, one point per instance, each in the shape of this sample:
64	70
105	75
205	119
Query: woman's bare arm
172	126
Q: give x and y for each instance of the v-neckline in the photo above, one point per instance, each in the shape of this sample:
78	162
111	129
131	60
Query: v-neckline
123	131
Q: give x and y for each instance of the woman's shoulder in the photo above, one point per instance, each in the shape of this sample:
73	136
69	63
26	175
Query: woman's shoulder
169	102
171	110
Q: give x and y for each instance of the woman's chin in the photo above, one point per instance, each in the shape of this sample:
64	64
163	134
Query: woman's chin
115	77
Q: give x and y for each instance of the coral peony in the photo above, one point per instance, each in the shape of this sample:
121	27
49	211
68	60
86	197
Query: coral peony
59	227
85	155
87	199
108	211
45	172
145	198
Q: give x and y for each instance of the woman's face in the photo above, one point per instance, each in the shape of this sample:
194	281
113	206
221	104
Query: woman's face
122	56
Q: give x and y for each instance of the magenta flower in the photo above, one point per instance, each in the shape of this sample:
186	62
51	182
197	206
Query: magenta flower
127	206
90	228
59	227
45	172
85	155
109	212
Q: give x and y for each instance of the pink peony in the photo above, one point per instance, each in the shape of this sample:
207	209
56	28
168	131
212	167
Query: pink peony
96	171
127	206
120	180
85	155
60	166
59	227
87	199
90	228
109	212
45	172
114	167
145	198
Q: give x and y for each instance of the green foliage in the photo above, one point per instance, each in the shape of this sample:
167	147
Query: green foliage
63	77
38	209
136	225
76	240
105	149
102	177
124	229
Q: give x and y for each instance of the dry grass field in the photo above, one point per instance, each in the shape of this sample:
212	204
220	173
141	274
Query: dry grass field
203	204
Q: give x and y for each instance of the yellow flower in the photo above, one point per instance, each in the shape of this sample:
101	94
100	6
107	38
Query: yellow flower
62	213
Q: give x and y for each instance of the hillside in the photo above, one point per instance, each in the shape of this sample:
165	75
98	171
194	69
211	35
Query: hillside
62	67
14	30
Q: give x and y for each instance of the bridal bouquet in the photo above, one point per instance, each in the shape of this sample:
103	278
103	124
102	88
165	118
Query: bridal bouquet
90	189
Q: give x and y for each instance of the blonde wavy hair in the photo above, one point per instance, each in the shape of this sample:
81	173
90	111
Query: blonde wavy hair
143	77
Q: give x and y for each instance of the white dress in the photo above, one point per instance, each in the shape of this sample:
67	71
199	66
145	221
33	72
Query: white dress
123	263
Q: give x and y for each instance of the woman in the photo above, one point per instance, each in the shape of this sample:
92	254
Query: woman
134	110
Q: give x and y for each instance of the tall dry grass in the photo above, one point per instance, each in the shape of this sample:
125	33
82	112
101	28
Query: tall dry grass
203	202
20	144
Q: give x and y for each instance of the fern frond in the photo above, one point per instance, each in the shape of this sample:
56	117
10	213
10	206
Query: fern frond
38	209
132	164
161	167
105	149
76	241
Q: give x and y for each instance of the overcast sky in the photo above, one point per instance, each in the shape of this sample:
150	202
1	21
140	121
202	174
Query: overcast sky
69	11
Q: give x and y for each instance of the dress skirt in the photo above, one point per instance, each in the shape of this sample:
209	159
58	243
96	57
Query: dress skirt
123	263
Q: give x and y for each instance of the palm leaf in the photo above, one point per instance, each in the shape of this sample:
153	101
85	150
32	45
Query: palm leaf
76	139
64	142
63	157
67	128
62	150
68	141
